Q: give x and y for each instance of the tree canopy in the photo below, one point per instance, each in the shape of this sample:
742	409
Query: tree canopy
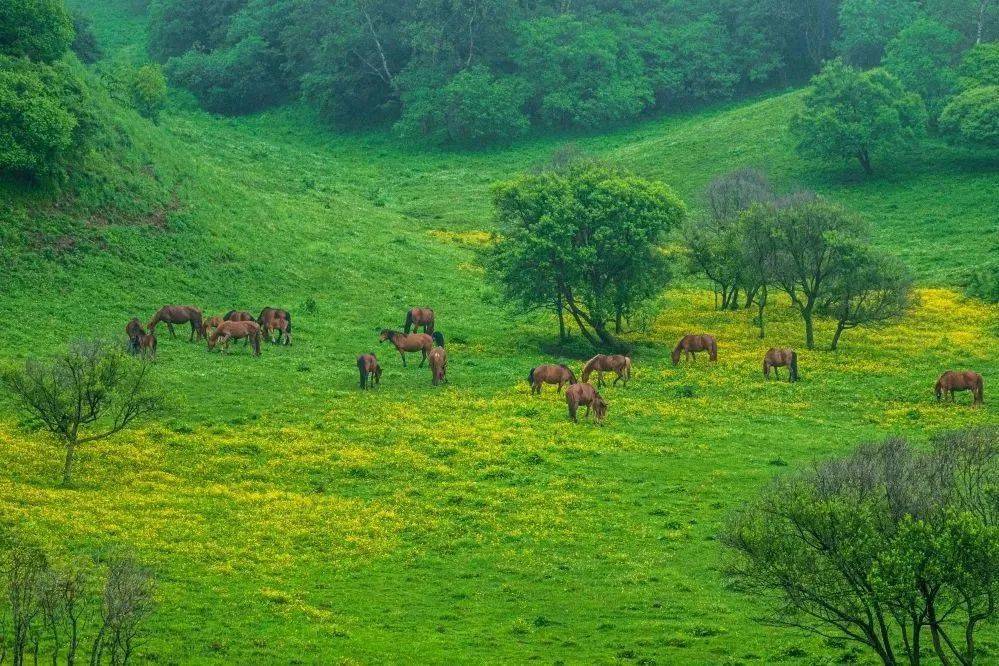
586	239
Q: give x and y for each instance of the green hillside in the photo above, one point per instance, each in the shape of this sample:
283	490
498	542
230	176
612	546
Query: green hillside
291	518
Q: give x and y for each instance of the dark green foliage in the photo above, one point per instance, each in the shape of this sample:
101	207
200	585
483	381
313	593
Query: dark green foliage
588	66
924	57
85	44
976	20
584	239
41	30
473	109
850	114
972	117
868	25
238	79
984	283
45	113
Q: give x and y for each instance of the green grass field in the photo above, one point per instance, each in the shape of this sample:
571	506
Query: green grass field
291	518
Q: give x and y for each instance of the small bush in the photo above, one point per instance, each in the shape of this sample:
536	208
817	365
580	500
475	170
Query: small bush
149	90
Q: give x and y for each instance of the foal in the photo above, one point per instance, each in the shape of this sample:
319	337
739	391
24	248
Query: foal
371	372
438	365
412	342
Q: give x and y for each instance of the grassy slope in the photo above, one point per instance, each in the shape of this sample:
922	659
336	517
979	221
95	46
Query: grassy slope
290	516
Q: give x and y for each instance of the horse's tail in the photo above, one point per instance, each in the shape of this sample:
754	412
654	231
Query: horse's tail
980	388
713	350
288	317
360	369
794	366
938	389
256	342
530	376
409	322
627	367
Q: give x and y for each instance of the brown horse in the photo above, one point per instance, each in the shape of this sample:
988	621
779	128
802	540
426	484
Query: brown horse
966	380
585	394
691	344
211	324
778	357
601	363
438	365
371	372
275	319
417	317
133	329
411	342
146	344
237	315
178	314
549	373
229	330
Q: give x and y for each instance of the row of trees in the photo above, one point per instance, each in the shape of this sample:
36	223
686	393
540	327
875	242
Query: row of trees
72	613
924	84
751	242
475	71
893	548
52	109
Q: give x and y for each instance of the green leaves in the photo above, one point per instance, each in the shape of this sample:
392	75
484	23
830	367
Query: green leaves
40	30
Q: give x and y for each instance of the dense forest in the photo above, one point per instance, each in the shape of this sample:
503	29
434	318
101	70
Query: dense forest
469	72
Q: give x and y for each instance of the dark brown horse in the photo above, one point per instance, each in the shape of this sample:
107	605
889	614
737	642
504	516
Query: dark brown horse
779	357
601	363
437	359
966	380
417	317
237	315
585	394
275	319
371	372
549	373
411	342
229	330
178	314
691	344
133	329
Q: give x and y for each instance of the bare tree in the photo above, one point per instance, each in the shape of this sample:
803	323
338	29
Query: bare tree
25	568
126	602
88	393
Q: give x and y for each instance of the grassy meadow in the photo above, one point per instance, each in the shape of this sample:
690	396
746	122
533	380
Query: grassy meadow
291	518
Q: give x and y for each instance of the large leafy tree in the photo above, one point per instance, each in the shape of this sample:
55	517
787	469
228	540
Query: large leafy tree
587	237
868	25
41	30
924	57
972	116
850	114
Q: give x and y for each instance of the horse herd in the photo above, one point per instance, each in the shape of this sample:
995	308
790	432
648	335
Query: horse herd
216	330
240	324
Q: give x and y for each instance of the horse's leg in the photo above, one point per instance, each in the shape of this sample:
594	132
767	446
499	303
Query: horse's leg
587	414
402	354
572	412
170	328
423	352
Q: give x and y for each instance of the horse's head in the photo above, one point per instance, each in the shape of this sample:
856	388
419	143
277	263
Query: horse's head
386	334
568	370
599	407
675	356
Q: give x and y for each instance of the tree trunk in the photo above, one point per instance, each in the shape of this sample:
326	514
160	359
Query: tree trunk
806	315
865	161
606	338
560	308
67	469
839	331
617	321
761	305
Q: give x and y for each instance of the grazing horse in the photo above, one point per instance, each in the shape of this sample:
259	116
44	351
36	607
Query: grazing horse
211	324
411	342
966	380
178	314
133	329
417	317
146	344
601	363
437	359
228	330
549	373
368	366
275	319
777	357
691	344
237	315
585	394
